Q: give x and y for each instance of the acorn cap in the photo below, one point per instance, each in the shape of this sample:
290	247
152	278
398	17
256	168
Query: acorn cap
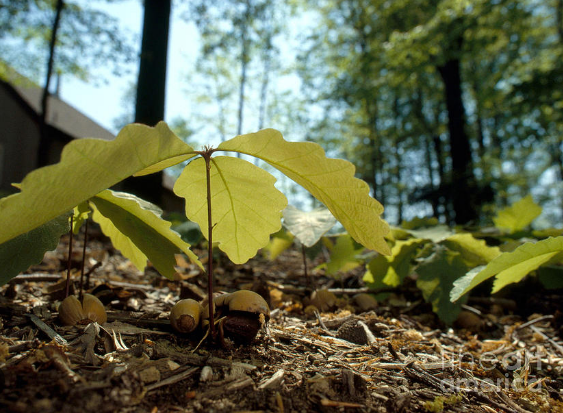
185	315
71	311
244	300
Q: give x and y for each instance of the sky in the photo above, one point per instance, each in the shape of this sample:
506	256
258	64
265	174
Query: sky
103	101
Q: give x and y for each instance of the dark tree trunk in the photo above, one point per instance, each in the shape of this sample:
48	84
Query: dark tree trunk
151	88
445	193
463	180
44	137
434	202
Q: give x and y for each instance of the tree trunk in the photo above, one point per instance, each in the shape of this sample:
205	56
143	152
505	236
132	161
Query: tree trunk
151	88
44	137
463	180
244	65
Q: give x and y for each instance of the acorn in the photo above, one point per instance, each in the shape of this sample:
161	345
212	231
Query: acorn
72	312
185	315
245	313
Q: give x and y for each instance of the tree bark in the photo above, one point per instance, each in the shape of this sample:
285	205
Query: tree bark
44	139
151	88
463	179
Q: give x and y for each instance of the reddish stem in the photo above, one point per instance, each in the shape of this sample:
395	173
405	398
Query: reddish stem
69	257
207	156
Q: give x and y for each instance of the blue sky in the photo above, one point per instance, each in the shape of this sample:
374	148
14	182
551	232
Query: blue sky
103	101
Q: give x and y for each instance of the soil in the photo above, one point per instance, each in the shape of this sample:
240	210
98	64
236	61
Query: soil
331	352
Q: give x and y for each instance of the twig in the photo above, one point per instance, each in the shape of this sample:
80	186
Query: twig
52	334
534	321
173	379
553	342
83	257
69	257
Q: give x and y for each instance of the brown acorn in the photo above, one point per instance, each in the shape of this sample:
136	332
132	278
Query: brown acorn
245	314
72	312
185	315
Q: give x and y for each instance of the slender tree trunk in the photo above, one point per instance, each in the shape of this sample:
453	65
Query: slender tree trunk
445	196
463	180
243	67
44	138
434	202
151	87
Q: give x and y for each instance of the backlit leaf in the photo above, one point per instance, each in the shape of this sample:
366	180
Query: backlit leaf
308	227
279	242
510	267
17	254
343	256
87	167
331	181
393	269
436	276
473	251
137	230
519	215
246	206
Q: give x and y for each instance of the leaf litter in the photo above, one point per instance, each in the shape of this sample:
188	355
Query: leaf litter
329	356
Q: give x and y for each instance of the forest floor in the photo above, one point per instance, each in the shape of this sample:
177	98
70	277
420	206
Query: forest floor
502	355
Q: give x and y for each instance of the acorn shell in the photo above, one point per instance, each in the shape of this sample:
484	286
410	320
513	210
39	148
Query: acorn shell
244	300
94	309
185	315
72	312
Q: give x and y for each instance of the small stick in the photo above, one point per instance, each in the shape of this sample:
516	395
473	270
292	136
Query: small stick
305	265
83	257
69	257
173	379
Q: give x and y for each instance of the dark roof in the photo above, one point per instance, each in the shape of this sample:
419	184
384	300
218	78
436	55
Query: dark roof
60	114
63	116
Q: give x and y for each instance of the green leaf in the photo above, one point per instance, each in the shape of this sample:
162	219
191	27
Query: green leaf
435	234
551	276
81	213
246	206
436	276
279	242
137	230
343	256
394	269
17	254
331	181
510	267
417	223
473	251
308	227
519	215
87	167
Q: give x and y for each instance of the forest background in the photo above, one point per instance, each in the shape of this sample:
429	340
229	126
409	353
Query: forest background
447	108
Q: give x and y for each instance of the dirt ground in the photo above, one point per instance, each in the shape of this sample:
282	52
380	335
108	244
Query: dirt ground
340	355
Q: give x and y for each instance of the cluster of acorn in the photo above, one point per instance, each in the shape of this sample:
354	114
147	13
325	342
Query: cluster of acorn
240	315
72	311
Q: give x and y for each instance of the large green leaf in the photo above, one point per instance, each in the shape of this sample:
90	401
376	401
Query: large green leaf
279	242
343	256
246	206
87	167
331	181
393	269
473	251
17	254
436	276
510	267
519	215
308	227
137	230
